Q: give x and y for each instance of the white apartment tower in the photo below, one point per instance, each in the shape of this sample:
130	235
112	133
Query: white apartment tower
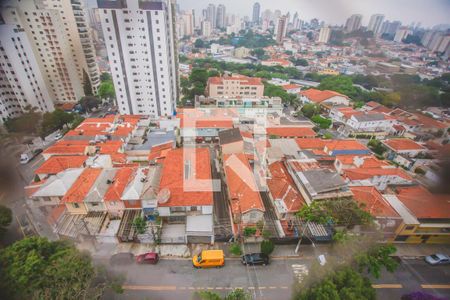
140	41
375	24
221	16
60	41
256	13
353	23
21	82
206	28
324	35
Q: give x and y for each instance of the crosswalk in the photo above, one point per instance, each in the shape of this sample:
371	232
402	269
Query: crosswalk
300	271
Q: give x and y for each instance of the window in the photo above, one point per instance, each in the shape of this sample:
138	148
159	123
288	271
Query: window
409	227
76	205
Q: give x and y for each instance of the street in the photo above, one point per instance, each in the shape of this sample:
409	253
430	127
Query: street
177	279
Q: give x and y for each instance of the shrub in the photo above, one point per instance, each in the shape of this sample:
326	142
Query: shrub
235	249
267	247
419	171
323	123
266	234
249	231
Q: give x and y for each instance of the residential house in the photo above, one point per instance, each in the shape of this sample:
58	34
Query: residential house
94	199
246	203
378	177
292	88
231	141
277	62
186	196
290	132
74	198
113	196
326	97
57	164
425	216
403	150
345	147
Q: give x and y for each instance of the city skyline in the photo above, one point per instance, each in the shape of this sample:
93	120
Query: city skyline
338	11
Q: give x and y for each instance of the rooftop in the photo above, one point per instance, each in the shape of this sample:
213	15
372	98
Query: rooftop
82	185
244	80
291	131
318	96
373	201
242	187
56	164
322	181
403	144
230	136
186	174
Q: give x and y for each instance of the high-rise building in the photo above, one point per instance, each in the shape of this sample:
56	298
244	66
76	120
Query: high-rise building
324	35
206	28
390	27
211	15
21	82
140	41
256	13
353	23
401	34
296	21
375	24
186	24
60	40
220	17
280	29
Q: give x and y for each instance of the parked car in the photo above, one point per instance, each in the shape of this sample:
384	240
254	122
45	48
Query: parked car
438	259
58	136
29	155
209	259
124	258
255	259
148	258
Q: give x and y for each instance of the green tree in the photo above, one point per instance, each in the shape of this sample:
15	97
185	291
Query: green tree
140	224
258	52
199	43
105	76
77	119
378	257
89	102
235	249
323	123
5	219
236	294
310	109
35	268
87	87
267	247
55	120
27	123
213	73
199	75
341	84
106	90
249	231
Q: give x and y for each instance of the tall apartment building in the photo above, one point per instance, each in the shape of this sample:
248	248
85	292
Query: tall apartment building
235	86
211	14
206	28
281	29
21	82
375	24
220	17
186	24
401	34
353	23
324	35
390	27
59	38
256	13
140	41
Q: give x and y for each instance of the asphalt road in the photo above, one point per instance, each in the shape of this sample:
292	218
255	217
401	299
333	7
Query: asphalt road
177	279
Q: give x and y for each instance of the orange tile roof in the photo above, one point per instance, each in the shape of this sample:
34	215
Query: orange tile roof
281	186
312	143
241	182
292	132
369	161
373	202
81	186
56	164
318	96
196	190
121	179
361	173
423	204
33	187
290	86
345	145
403	144
74	149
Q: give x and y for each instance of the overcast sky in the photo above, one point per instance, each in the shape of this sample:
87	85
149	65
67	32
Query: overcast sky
428	12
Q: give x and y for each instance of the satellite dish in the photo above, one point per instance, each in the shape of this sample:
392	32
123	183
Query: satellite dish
163	196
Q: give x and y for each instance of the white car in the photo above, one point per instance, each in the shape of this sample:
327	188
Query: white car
437	259
58	136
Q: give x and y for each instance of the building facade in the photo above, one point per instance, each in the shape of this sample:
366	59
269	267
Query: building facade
140	40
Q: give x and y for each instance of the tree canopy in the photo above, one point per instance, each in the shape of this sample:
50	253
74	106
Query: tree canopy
55	120
35	268
87	86
5	218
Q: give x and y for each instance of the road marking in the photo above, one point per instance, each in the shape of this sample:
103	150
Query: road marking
262	287
284	287
219	288
300	271
435	286
387	286
272	287
150	287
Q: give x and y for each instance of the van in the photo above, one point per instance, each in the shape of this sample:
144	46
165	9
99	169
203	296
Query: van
209	259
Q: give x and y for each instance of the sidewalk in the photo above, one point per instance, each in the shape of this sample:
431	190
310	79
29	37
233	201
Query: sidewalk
181	251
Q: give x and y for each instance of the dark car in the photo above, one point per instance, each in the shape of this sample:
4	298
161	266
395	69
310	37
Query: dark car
37	152
255	259
148	258
125	258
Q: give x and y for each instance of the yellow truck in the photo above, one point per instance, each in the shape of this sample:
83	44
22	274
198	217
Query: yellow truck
209	259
